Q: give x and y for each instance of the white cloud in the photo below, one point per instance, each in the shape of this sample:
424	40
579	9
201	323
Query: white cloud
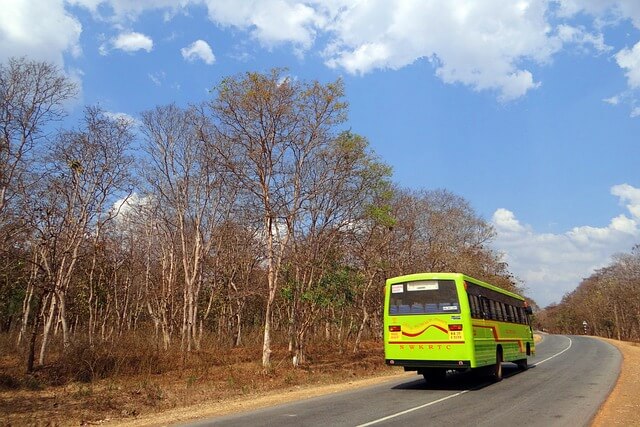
506	222
484	45
629	60
122	11
629	195
480	44
554	264
132	41
611	13
270	21
157	78
489	45
116	116
126	209
614	100
580	37
41	29
199	49
603	10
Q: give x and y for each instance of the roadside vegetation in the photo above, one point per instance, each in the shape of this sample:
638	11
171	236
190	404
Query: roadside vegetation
252	228
605	304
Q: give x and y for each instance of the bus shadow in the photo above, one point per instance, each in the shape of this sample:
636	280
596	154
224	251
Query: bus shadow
459	381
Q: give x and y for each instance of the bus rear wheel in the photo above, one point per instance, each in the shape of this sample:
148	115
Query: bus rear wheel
522	364
497	368
434	375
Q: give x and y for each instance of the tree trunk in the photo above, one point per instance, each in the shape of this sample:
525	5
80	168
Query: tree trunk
617	320
26	309
34	334
365	319
266	342
62	312
238	340
47	328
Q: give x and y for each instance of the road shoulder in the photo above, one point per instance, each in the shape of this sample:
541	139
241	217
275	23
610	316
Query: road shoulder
622	407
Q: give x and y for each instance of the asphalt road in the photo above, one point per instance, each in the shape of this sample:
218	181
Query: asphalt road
566	383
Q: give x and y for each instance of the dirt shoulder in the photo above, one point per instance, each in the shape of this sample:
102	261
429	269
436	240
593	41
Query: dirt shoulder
622	407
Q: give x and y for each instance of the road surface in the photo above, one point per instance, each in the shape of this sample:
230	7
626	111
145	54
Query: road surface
566	383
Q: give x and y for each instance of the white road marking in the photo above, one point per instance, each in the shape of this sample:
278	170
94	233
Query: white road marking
413	409
555	355
451	396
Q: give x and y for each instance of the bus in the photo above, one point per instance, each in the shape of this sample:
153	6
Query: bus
436	322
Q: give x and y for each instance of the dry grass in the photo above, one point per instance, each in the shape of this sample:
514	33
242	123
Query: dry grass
622	407
93	384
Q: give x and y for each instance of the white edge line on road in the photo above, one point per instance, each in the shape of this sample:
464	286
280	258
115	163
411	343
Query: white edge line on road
412	409
555	355
379	420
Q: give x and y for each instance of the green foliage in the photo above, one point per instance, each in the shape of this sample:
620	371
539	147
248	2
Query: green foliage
13	276
335	288
381	214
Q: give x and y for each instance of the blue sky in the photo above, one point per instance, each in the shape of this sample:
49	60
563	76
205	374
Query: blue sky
529	109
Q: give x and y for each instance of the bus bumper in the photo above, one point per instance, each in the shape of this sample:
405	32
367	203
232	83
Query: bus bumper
414	365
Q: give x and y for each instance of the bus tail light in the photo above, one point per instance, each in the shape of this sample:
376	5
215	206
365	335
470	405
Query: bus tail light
394	328
455	327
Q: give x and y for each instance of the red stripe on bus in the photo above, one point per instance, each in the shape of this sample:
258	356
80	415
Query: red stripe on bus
416	334
498	339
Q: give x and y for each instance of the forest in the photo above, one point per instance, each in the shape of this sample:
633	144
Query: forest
606	304
255	218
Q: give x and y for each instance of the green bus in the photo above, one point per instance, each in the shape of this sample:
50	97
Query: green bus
435	322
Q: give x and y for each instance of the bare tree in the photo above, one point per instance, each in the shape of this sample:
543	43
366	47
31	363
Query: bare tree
269	129
86	173
184	176
347	189
32	96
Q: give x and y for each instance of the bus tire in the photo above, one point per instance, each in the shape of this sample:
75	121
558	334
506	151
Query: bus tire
434	375
497	368
522	364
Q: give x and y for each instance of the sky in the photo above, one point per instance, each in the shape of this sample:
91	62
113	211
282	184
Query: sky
529	109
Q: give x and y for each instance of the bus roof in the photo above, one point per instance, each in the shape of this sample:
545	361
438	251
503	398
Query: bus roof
450	276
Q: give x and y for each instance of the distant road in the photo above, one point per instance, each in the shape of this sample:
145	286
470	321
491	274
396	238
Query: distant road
566	383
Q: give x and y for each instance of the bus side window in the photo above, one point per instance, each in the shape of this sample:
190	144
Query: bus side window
474	304
486	310
505	314
492	310
510	317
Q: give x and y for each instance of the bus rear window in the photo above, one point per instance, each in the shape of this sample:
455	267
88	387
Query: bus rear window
423	297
